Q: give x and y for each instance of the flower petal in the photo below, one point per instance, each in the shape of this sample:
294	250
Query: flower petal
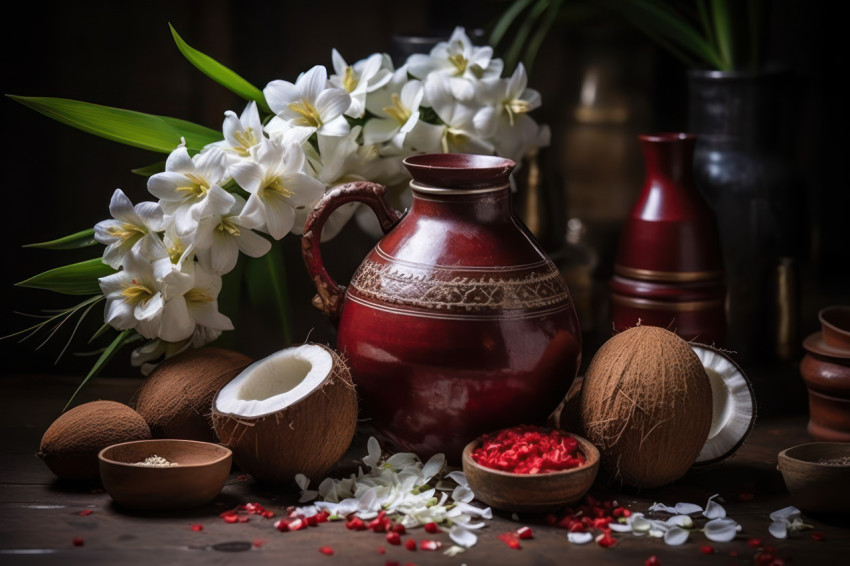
579	538
676	536
721	530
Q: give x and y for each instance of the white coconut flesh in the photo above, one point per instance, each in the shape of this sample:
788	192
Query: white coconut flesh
276	382
733	405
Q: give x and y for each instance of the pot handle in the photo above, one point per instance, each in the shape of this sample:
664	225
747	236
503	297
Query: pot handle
329	293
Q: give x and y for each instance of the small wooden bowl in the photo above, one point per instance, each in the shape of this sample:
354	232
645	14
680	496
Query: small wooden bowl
200	473
816	486
531	492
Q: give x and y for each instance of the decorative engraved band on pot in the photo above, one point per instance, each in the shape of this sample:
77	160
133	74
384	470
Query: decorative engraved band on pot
684	306
389	283
674	276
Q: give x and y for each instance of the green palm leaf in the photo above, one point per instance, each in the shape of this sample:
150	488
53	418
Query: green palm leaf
74	279
82	239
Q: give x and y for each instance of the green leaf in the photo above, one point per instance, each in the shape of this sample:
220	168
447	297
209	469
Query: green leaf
104	358
507	20
74	279
519	41
147	131
265	279
541	33
82	239
219	73
149	170
723	32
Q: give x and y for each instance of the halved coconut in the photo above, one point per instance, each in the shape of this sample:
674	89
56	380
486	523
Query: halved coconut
733	405
292	412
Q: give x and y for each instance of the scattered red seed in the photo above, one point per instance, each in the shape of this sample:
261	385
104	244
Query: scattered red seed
605	540
652	561
706	549
78	541
394	538
197	528
326	550
410	544
755	543
529	450
267	514
355	524
231	518
399	528
297	524
381	550
312	521
322	516
86	512
432	528
392	563
817	536
258	543
524	533
282	525
242	477
510	539
430	544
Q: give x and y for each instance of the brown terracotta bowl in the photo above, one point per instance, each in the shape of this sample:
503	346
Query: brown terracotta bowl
534	493
200	473
815	478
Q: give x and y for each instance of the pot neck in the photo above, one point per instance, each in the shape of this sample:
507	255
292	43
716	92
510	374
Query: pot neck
669	157
479	206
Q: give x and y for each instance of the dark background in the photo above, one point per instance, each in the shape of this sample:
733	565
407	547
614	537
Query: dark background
58	180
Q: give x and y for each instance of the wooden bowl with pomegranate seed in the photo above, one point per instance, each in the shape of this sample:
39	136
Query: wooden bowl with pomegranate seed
531	492
164	474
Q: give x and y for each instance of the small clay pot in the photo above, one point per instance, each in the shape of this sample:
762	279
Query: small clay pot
815	477
200	473
534	493
826	372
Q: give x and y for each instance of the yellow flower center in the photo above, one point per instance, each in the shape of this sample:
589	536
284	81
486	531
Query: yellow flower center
309	115
197	186
246	138
197	295
397	111
175	252
460	62
226	225
349	79
137	294
125	231
454	139
276	185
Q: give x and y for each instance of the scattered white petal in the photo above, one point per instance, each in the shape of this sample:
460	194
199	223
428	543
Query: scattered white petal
641	525
779	529
454	550
463	494
433	467
785	514
579	538
714	510
458	477
662	507
485	513
620	527
656	533
687	508
676	536
721	530
462	536
680	521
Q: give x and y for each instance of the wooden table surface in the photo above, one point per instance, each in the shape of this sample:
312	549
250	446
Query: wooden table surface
40	517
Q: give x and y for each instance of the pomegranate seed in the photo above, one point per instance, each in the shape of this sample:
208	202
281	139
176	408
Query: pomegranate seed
326	550
241	477
392	563
377	525
258	543
511	540
818	536
577	527
267	514
399	528
355	524
755	543
410	544
524	533
605	540
393	538
297	524
513	543
706	549
281	525
381	550
78	541
652	561
322	516
197	528
600	523
432	528
430	545
231	518
86	512
312	521
627	513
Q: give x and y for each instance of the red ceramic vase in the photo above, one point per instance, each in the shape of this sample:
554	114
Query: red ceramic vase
668	271
456	323
826	372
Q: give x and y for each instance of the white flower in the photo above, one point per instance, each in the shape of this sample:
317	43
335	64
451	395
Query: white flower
786	520
507	100
459	61
277	186
242	134
458	133
396	107
363	77
222	236
200	304
135	300
129	225
309	103
184	186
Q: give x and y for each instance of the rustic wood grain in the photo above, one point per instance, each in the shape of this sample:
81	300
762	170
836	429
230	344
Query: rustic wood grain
40	517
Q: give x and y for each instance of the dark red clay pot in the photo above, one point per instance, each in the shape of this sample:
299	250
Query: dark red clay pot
669	269
456	323
826	372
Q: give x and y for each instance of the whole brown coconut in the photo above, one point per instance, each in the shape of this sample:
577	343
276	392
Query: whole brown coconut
292	412
646	404
176	400
70	445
